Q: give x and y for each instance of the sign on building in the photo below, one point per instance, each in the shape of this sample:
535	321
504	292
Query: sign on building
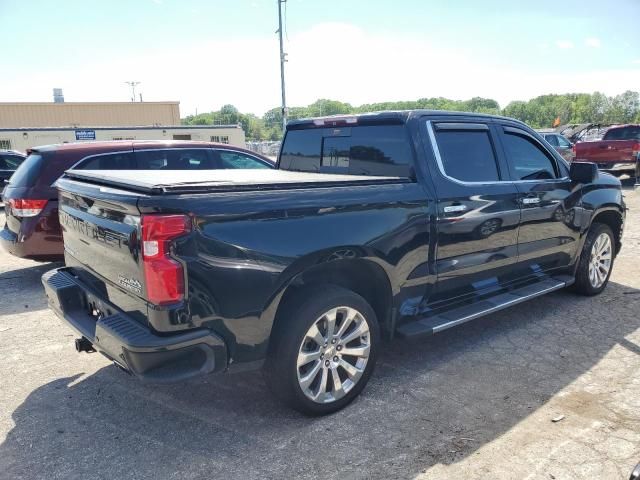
85	134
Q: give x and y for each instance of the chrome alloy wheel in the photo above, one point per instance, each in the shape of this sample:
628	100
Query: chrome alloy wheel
333	354
600	260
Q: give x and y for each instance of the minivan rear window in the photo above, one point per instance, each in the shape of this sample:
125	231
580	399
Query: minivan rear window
28	171
381	150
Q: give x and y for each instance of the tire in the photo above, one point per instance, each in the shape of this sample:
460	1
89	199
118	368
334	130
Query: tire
487	228
301	336
584	283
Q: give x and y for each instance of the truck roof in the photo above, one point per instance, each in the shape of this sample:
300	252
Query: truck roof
383	117
229	180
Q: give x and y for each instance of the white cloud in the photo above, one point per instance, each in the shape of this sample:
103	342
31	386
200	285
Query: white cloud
564	44
337	61
592	42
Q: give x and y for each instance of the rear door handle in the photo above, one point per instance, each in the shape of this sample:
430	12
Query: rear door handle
530	200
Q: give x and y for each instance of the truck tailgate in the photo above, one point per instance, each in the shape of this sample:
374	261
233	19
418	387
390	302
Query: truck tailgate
606	151
101	233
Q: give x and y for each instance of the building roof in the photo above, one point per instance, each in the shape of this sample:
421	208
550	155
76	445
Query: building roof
80	114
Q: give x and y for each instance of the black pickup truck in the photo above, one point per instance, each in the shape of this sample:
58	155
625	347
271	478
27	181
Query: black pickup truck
373	226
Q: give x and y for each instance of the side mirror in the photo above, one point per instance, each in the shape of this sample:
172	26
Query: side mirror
583	172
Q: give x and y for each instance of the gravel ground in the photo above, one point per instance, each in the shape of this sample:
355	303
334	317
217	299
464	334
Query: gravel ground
475	402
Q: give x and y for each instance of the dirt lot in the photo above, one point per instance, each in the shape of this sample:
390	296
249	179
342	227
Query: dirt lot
474	402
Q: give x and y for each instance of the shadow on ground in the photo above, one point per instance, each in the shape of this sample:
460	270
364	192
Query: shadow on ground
432	402
23	283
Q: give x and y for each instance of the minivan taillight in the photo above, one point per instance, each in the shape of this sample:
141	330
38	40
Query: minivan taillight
22	207
164	275
635	151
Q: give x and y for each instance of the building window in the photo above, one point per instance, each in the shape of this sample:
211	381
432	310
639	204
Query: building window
5	144
220	138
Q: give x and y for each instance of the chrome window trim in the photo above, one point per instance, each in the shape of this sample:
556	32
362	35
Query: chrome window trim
436	153
462	126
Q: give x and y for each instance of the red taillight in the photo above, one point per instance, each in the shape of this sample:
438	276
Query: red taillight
635	150
164	276
21	207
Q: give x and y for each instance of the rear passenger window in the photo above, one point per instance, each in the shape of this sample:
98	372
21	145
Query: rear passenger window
379	150
239	160
175	159
467	155
527	159
110	161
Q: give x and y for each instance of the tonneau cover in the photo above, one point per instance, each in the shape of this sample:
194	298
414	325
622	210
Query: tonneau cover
186	181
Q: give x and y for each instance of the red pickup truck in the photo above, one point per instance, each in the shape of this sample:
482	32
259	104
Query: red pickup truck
616	153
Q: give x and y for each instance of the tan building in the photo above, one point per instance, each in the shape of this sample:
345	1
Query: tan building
97	114
24	138
29	124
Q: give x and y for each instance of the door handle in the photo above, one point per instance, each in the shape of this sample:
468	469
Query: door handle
530	200
454	208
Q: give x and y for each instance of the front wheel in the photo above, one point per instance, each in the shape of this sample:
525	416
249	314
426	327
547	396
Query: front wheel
323	351
596	261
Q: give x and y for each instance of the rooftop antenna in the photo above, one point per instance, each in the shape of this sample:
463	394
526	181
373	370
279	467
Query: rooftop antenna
283	58
132	84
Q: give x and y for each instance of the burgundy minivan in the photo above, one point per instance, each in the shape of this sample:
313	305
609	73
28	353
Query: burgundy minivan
32	229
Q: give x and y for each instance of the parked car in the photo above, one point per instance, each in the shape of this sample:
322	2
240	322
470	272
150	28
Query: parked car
302	268
10	160
32	229
560	143
616	153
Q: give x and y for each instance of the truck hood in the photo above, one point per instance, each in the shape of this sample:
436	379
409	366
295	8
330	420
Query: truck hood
187	181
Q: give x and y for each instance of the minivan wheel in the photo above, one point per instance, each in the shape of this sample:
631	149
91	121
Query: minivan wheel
323	351
596	261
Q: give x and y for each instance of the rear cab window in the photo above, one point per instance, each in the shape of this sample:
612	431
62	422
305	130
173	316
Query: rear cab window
623	133
376	150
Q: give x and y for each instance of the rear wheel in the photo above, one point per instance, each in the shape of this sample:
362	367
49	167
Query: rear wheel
596	261
324	350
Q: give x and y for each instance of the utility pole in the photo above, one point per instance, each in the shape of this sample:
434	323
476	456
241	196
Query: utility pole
283	58
132	84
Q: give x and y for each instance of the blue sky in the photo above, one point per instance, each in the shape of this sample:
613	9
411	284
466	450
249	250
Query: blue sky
206	53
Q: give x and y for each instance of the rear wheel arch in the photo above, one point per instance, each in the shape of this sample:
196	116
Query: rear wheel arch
364	277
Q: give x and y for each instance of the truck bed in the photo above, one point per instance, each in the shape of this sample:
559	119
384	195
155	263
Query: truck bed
158	182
